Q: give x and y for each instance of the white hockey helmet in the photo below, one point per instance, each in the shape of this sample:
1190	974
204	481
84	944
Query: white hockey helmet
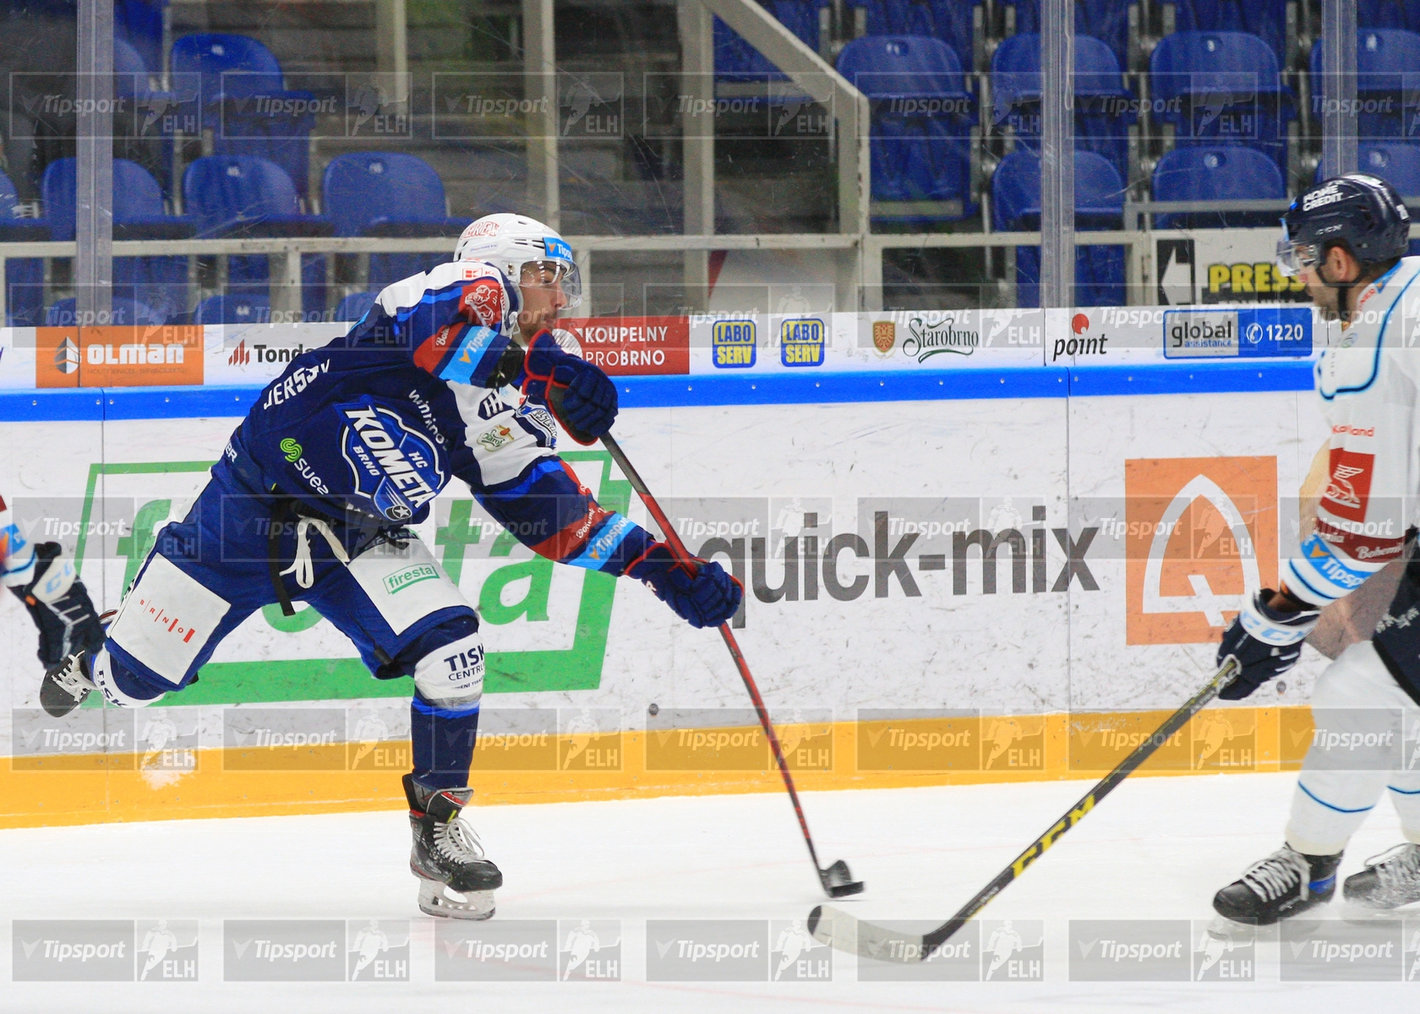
510	241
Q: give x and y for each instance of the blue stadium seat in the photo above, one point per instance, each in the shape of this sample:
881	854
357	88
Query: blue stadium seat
1387	84
1226	173
245	102
1396	162
139	25
23	277
921	145
376	193
242	308
1221	88
1388	14
952	21
737	60
354	306
138	213
240	195
1099	204
1267	19
1103	110
124	313
1106	20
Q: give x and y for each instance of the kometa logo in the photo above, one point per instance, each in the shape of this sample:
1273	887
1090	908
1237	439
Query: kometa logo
1200	533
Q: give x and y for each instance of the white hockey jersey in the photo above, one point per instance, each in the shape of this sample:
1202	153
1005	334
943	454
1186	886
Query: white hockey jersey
1367	386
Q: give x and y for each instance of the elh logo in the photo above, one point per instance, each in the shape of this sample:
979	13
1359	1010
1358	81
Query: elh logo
1200	533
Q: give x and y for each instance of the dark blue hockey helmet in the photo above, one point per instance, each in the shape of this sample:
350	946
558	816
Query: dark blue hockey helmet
1364	213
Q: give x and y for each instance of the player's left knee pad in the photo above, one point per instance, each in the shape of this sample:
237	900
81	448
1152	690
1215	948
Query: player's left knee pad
450	674
1357	713
120	688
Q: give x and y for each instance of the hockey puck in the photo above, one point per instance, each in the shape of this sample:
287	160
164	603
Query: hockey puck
653	709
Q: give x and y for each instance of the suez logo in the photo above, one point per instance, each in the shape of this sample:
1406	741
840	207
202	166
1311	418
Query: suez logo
292	452
634	345
117	356
1199	534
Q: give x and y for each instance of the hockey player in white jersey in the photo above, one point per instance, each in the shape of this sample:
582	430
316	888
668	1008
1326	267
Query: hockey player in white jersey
1347	239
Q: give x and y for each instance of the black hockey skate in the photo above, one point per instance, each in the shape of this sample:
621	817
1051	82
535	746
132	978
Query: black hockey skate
455	880
1284	884
65	686
1388	881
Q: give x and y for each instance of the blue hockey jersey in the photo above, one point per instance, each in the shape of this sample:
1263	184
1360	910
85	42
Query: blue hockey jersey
371	426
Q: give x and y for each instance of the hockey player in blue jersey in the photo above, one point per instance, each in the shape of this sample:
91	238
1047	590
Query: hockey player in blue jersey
312	494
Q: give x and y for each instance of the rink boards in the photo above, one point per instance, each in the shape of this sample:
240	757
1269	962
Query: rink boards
989	572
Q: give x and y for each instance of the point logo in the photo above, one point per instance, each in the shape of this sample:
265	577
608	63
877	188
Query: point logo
1080	323
1199	534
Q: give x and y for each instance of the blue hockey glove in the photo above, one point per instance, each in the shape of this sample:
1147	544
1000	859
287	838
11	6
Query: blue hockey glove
702	594
579	395
1265	641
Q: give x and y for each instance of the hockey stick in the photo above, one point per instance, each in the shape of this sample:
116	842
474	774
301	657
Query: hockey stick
836	880
846	933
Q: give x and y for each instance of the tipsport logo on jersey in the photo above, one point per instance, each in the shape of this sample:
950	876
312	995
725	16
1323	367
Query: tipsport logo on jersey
1198	533
397	469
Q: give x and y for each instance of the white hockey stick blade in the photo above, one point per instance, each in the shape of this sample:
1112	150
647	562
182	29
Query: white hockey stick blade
843	932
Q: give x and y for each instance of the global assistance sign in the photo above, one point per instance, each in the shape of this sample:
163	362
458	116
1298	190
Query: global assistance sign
1200	534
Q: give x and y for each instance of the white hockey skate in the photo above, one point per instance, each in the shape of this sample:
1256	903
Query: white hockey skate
456	881
1388	881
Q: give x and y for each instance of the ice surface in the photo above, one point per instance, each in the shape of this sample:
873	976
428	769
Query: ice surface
1155	850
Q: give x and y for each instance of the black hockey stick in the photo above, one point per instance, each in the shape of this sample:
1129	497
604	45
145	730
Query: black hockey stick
836	880
846	933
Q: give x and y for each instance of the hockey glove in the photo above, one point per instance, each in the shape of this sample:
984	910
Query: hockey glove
701	592
59	604
1265	641
579	395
